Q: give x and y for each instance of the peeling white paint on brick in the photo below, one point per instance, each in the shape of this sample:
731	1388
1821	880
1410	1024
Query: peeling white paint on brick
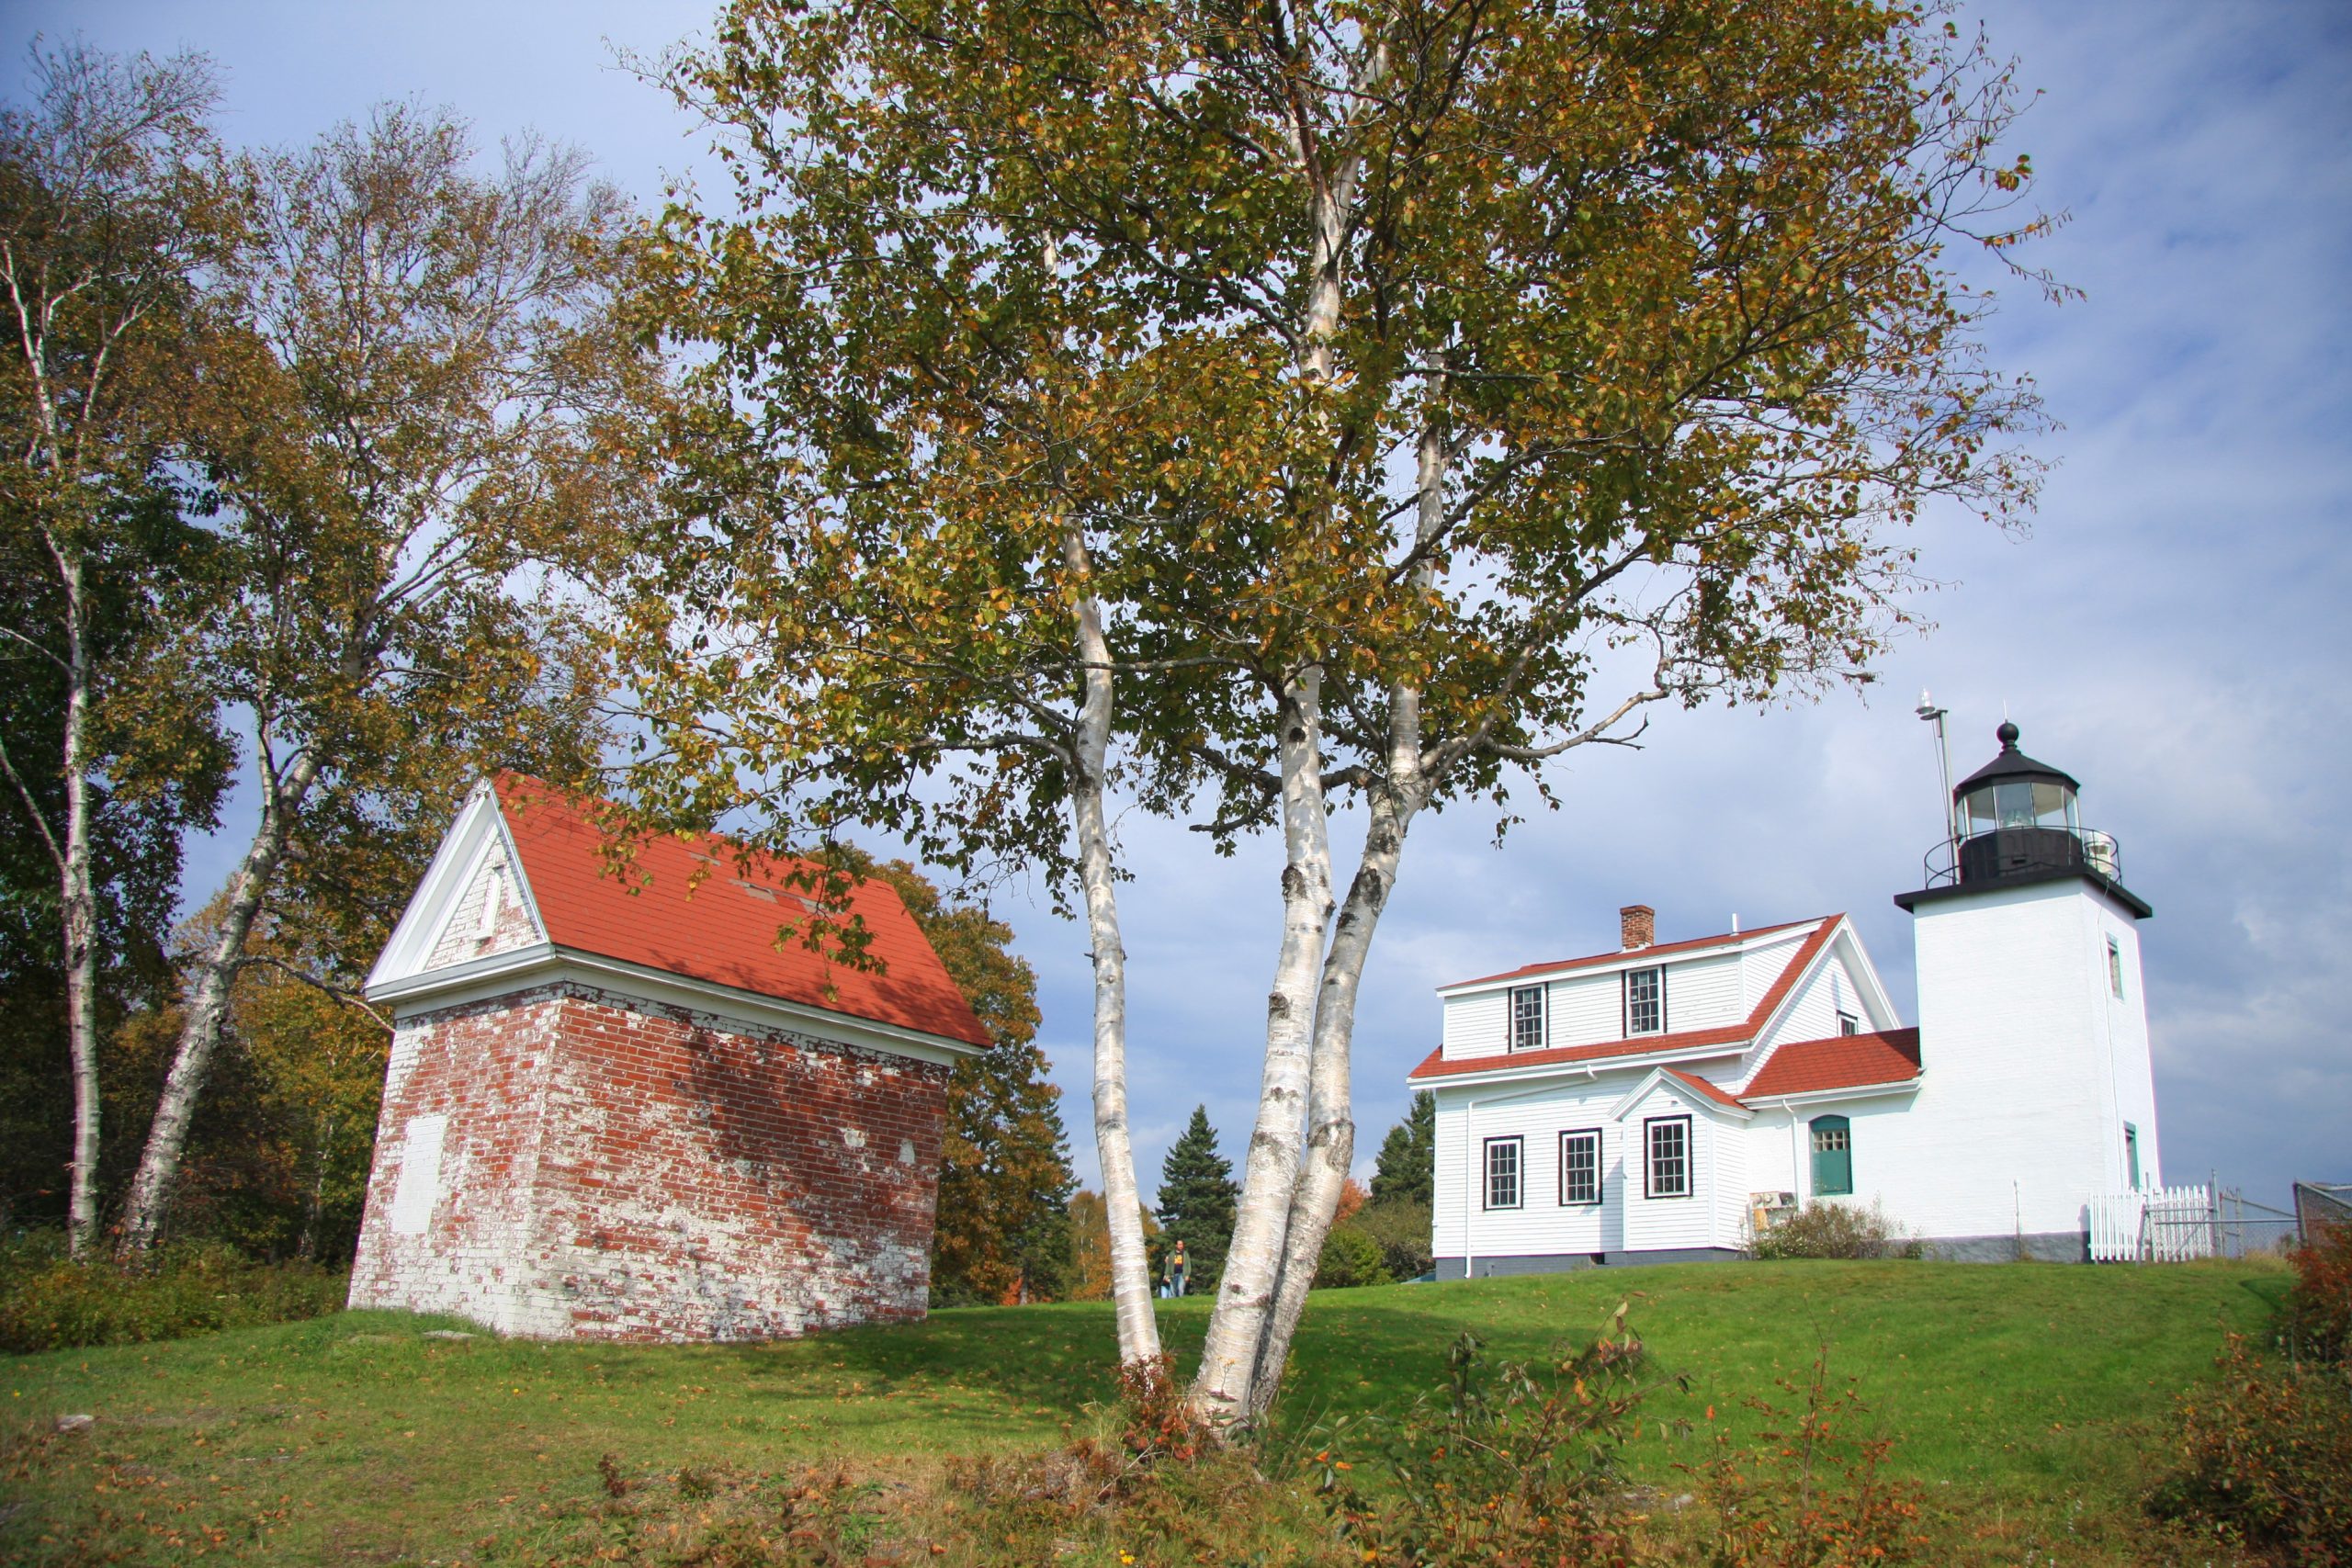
617	1171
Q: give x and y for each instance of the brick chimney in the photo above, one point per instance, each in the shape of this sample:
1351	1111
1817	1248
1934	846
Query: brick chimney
1637	925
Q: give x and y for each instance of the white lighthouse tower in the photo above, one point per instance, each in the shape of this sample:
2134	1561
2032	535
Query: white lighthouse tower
2037	1092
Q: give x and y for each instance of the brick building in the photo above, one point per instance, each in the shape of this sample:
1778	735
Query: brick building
617	1109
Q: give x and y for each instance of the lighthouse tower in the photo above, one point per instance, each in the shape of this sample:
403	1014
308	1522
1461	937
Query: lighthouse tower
2037	1091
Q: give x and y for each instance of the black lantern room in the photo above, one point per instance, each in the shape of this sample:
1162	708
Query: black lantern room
2016	820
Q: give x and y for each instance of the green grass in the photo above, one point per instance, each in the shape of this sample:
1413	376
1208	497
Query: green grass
2025	1388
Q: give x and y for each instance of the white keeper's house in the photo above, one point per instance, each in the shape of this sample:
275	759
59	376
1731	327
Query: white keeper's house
1661	1102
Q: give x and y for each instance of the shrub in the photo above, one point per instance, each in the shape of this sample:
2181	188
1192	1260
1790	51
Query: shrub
48	1301
2265	1459
1809	1492
2317	1319
1401	1226
1350	1257
1833	1230
1516	1464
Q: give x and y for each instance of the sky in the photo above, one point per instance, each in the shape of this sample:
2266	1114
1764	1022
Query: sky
2171	630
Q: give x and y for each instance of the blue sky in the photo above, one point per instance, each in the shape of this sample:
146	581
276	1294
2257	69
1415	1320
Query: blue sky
2172	630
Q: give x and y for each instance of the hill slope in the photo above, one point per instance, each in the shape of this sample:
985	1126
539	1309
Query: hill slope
357	1435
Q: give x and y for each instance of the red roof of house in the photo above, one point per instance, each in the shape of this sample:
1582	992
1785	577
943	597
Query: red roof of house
1692	946
1691	1080
1435	1066
724	929
1844	1061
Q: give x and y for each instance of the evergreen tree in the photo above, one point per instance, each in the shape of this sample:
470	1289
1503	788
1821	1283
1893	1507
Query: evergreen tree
1407	1170
1005	1181
1197	1195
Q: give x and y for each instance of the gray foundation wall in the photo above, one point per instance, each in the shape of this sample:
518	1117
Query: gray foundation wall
2050	1247
1564	1262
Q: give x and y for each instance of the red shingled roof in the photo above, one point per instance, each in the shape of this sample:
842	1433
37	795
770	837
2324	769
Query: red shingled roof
1689	1080
1435	1066
723	930
1844	1061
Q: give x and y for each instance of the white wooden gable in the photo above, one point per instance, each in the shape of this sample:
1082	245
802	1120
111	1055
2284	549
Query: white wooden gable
474	889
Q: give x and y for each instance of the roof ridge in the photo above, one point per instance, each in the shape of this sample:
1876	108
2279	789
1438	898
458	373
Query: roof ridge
1687	944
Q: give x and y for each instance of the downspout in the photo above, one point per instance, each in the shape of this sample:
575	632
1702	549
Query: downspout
1469	1188
1471	1173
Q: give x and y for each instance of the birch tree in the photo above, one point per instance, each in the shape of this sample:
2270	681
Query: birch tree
1435	389
111	206
446	408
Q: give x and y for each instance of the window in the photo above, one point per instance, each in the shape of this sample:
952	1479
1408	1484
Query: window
2114	966
1848	1024
1644	1002
1527	1019
1503	1173
1579	1168
1833	1157
1669	1141
2131	1147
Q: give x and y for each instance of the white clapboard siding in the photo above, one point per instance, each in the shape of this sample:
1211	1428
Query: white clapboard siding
1704	993
1475	1025
1588	1009
2163	1224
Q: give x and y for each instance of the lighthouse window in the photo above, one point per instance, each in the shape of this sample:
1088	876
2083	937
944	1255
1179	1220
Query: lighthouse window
1527	1019
1833	1157
2114	966
1644	1002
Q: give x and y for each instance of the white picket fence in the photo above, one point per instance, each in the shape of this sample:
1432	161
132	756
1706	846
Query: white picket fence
2163	1225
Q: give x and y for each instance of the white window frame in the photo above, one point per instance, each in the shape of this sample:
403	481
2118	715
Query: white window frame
1517	1147
1848	1024
2115	967
1580	1134
1538	1017
1656	972
1651	1127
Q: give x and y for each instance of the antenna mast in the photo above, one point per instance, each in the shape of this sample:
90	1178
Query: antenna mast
1933	715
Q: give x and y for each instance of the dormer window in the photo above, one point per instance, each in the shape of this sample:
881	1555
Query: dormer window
1644	1002
1527	1019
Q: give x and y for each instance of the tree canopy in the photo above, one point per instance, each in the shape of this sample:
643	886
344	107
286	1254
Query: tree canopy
1407	1170
1415	392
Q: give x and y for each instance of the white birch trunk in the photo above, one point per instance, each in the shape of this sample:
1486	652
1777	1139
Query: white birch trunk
1331	1123
1123	1206
80	922
207	1009
70	851
1246	1290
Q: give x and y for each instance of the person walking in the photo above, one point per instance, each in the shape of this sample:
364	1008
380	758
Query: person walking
1175	1271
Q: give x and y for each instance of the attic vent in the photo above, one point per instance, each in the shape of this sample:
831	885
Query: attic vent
493	898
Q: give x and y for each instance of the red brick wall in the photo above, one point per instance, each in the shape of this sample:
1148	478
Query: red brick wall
672	1177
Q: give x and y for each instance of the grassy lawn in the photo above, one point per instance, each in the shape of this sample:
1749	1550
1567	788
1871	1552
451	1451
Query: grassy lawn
2026	1390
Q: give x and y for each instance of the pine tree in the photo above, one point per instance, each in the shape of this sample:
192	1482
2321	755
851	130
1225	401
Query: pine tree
1407	1170
1197	1195
1004	1176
